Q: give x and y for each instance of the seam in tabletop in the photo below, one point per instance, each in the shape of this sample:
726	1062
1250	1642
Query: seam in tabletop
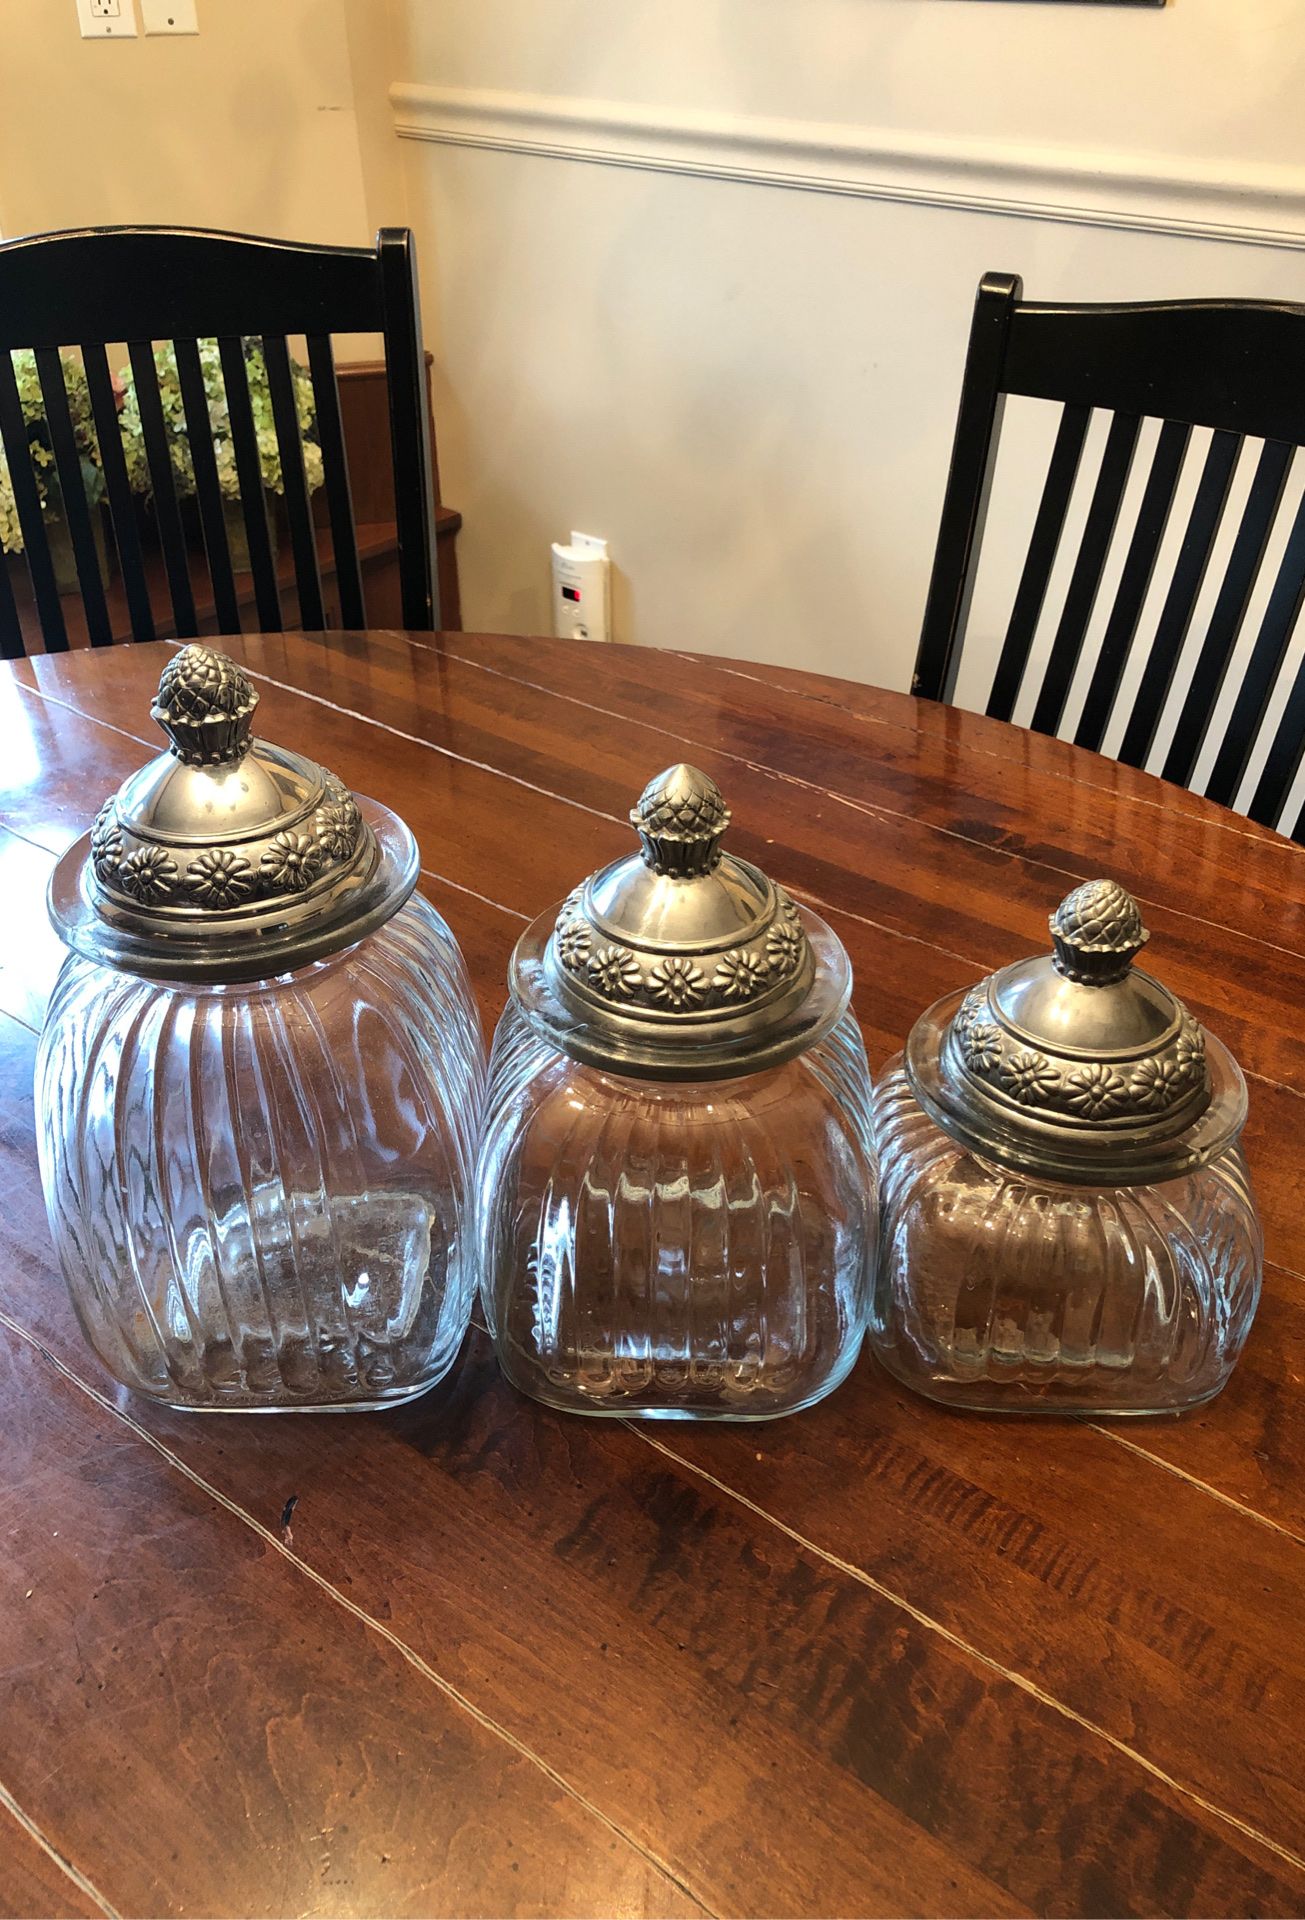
369	1621
1009	1674
69	1870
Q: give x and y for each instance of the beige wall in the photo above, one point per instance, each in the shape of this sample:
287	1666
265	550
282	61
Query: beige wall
736	348
1207	78
251	125
370	30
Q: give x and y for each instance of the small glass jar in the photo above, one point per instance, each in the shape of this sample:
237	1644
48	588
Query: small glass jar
1068	1223
676	1190
258	1081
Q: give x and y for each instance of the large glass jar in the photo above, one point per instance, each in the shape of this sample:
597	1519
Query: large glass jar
676	1191
259	1080
1068	1223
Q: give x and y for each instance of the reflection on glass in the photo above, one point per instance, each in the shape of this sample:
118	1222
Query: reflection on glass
259	1193
676	1250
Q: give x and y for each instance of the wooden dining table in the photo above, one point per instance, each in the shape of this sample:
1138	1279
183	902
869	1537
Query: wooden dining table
477	1657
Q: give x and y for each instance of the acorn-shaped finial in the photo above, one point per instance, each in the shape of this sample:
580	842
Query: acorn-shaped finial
680	819
1097	932
205	704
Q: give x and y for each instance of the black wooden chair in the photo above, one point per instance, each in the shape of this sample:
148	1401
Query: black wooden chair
140	285
1235	366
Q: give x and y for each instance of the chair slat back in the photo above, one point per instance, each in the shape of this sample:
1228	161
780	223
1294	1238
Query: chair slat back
1229	612
117	486
31	518
1085	581
81	293
1251	709
208	487
249	478
1282	764
339	494
290	450
1044	543
163	487
1135	581
72	492
1236	368
1180	602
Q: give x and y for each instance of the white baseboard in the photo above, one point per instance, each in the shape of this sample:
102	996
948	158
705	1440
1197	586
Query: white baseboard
1257	206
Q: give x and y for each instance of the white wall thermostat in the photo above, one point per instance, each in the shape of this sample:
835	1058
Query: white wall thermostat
582	593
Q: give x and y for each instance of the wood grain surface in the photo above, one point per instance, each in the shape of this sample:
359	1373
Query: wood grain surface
875	1659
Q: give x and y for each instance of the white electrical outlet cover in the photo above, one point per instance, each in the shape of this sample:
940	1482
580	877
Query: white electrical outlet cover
170	16
107	19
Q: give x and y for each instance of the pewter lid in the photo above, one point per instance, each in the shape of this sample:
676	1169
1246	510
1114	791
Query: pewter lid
227	858
681	962
1078	1065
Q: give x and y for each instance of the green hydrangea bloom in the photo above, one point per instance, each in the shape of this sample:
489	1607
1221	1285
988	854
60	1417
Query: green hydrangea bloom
133	439
174	415
32	401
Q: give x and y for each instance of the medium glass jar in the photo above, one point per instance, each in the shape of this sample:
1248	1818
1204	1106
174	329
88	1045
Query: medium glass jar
676	1191
259	1079
1068	1223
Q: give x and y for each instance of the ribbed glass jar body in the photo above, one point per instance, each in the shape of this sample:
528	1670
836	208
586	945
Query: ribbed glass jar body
259	1193
998	1291
688	1250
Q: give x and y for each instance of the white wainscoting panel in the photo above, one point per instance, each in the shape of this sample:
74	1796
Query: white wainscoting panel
1256	205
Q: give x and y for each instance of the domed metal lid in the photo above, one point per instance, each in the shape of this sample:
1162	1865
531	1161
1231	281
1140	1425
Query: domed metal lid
1078	1065
681	962
226	858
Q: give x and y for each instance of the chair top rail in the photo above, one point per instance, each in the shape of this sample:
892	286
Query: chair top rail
102	284
1232	364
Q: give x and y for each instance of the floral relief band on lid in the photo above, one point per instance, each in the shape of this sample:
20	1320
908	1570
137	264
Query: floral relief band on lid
1077	1064
226	858
681	961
